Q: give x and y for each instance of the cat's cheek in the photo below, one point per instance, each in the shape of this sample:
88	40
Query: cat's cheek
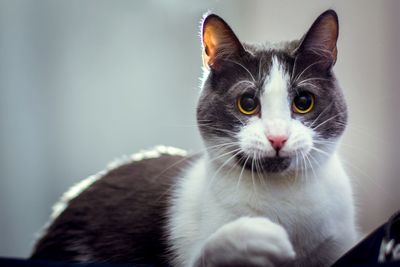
300	140
252	140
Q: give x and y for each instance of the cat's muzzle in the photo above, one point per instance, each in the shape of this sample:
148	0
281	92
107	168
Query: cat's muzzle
266	164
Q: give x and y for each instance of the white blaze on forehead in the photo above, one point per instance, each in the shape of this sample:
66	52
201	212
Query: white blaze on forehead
274	99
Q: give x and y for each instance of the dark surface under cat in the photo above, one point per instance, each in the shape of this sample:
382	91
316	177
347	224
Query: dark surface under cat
117	219
365	254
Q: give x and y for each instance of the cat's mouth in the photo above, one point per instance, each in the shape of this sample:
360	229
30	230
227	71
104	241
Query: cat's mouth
266	164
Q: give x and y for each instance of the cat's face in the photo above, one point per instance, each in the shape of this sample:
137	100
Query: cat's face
271	109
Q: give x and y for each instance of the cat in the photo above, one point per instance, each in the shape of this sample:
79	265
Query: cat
268	190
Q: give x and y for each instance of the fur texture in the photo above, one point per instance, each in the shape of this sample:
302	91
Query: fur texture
246	201
120	217
300	193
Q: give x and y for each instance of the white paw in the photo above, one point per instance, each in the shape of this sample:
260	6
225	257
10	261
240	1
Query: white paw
247	242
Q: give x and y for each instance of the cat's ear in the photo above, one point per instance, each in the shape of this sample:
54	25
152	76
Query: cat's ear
320	40
219	41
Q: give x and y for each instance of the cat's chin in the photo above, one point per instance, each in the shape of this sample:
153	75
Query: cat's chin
267	164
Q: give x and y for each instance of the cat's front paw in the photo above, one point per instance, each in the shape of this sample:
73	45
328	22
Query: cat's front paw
247	242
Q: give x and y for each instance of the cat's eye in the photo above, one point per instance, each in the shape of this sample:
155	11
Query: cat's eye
248	104
303	103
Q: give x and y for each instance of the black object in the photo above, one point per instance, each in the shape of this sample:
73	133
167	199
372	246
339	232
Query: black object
390	247
41	263
380	249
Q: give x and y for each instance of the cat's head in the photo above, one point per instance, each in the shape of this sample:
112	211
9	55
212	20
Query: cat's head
270	108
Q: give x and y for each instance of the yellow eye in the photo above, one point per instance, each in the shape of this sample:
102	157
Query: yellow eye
303	103
248	104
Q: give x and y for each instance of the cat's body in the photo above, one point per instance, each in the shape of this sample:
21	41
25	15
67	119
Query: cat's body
314	213
108	217
269	190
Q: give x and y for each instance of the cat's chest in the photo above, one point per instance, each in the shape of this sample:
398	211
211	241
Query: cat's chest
303	215
303	210
311	213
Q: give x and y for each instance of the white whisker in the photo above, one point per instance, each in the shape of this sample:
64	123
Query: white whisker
238	151
241	172
239	64
309	66
327	120
252	175
320	151
312	79
323	111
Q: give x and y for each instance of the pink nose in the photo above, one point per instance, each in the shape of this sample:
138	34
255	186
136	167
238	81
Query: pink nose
277	141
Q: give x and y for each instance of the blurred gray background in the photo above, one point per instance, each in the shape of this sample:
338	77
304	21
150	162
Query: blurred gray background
83	82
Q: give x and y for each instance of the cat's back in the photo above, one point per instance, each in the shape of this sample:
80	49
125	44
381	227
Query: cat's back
120	217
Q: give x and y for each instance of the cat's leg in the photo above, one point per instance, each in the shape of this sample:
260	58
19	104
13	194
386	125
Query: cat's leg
247	241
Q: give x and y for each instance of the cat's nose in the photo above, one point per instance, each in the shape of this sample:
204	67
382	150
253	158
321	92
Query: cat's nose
277	141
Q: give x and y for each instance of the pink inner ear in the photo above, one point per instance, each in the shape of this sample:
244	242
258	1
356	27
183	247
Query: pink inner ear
219	41
216	40
210	43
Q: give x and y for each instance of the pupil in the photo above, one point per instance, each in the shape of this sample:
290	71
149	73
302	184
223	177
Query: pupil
303	102
248	103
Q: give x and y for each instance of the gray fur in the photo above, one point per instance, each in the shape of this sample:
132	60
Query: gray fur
310	71
122	216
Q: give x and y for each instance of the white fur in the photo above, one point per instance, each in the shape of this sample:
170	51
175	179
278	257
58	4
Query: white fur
256	237
73	192
311	210
203	79
275	95
276	120
309	207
